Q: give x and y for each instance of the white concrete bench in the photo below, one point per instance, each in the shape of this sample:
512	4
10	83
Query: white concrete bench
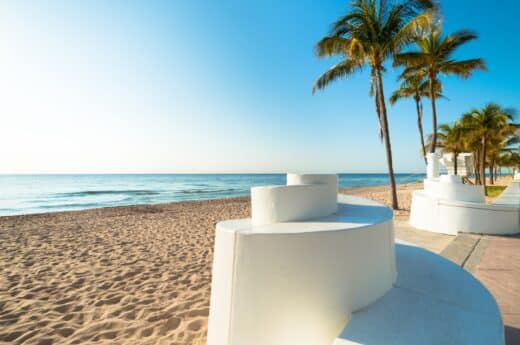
304	197
331	279
432	302
282	278
445	205
452	216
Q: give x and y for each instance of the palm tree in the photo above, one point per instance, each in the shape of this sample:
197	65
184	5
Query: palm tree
509	159
486	123
451	140
435	57
368	35
500	141
415	86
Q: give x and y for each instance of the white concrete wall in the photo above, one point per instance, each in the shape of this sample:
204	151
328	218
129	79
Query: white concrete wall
432	167
450	217
222	287
297	288
304	197
299	179
277	282
442	189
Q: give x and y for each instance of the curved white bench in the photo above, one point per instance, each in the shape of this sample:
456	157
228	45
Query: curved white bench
305	197
454	189
299	282
447	206
332	279
433	302
435	211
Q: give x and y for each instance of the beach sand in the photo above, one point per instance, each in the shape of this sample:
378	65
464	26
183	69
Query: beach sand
124	275
381	194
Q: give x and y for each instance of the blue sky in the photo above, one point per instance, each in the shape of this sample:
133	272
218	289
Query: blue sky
213	86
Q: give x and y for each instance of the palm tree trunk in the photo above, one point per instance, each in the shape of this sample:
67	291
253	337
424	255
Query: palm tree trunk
434	115
386	137
455	165
419	124
476	166
492	171
378	111
483	163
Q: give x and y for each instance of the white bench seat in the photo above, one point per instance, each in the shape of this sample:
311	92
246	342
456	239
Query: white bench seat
298	282
453	216
306	270
432	302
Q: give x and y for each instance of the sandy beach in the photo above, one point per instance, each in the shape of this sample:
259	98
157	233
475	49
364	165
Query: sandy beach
125	275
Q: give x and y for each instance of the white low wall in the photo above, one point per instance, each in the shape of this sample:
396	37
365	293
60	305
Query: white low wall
299	179
432	168
442	189
450	217
298	283
305	197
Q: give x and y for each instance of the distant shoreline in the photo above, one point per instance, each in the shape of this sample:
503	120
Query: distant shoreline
356	190
379	193
37	194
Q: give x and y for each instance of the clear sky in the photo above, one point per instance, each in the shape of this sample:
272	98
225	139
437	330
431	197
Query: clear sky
214	86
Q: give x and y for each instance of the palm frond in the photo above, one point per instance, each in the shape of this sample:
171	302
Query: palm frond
346	23
331	45
340	70
454	41
462	68
400	94
412	30
411	60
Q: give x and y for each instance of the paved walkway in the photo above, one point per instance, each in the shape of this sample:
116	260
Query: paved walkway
494	260
430	240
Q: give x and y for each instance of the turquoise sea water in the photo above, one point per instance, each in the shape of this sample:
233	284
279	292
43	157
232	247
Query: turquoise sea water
24	194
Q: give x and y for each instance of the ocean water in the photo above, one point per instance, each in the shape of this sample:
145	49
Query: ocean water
25	194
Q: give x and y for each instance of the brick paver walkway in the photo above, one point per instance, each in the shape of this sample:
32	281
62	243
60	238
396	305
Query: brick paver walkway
495	261
499	271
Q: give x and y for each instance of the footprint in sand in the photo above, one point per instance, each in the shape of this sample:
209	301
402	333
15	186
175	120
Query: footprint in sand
195	325
145	333
65	332
10	336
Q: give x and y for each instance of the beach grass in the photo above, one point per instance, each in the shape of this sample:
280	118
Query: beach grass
494	191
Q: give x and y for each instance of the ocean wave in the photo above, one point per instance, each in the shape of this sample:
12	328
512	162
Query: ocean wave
72	206
132	192
208	191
